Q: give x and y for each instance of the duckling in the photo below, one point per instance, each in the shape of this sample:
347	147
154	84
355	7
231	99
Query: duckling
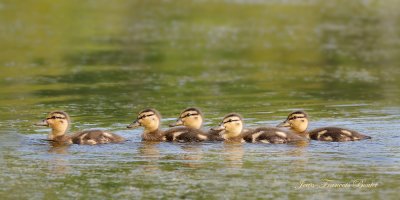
298	122
150	119
59	122
193	118
232	124
232	128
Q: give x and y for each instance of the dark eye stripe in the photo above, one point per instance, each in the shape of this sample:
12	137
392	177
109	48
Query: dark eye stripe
54	117
234	120
144	116
295	117
190	114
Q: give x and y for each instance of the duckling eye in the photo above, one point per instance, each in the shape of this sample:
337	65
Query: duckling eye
55	117
296	117
230	120
190	114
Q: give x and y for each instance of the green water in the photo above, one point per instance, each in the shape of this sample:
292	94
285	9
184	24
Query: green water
104	61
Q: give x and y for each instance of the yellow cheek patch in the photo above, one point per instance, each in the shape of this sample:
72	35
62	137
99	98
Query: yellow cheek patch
145	122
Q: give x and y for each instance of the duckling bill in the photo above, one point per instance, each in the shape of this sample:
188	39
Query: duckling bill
298	122
59	122
150	119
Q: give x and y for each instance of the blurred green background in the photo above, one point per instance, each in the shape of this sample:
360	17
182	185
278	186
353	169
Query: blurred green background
169	53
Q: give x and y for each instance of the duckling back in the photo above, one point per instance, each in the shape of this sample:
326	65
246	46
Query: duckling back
93	137
215	135
271	135
335	134
185	134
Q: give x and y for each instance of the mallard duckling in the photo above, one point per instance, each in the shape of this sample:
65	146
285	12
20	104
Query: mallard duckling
298	122
232	124
59	122
193	118
232	128
150	119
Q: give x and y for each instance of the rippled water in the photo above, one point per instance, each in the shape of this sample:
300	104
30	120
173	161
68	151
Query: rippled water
103	62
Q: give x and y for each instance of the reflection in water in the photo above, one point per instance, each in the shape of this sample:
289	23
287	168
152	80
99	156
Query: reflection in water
299	155
149	150
58	148
300	150
193	154
234	154
151	153
302	143
59	164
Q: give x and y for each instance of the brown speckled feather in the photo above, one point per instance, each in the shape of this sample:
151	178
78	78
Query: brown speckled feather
272	135
92	137
154	136
185	134
335	134
214	135
241	137
64	139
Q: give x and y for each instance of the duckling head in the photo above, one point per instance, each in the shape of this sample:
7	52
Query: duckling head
148	118
190	117
231	125
298	121
58	121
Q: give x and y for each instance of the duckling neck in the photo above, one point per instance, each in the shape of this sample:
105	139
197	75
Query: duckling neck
234	139
154	135
63	139
151	130
195	124
304	134
56	134
299	130
232	135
